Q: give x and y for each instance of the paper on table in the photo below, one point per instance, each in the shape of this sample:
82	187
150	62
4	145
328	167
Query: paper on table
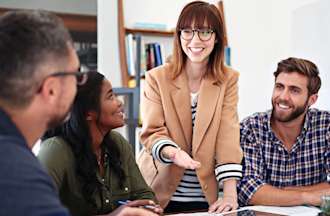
204	213
292	211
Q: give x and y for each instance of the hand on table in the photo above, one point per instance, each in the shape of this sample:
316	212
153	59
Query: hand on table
146	204
227	203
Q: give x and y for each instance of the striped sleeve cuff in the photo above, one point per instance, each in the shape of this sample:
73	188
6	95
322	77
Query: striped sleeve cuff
228	171
157	148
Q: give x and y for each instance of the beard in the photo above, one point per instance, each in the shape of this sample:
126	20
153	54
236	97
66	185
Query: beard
295	113
59	118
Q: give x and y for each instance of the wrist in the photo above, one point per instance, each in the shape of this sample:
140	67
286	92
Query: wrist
304	196
170	152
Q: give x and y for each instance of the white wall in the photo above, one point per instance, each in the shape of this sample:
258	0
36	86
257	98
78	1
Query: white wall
311	39
261	33
107	39
258	33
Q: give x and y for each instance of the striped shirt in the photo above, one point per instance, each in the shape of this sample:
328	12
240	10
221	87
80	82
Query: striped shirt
267	161
189	188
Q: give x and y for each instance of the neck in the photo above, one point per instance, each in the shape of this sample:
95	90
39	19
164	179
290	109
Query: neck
195	73
30	123
97	136
288	132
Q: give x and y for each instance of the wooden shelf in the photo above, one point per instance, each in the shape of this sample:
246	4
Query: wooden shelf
74	22
133	77
152	32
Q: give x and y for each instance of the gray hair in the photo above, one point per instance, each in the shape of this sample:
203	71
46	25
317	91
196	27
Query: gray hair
29	39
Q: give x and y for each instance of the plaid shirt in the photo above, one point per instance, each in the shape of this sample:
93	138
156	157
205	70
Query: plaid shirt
266	160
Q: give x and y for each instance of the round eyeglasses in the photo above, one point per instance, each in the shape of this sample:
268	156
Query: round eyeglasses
203	34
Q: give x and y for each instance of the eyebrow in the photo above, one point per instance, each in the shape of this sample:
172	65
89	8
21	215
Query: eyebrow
290	86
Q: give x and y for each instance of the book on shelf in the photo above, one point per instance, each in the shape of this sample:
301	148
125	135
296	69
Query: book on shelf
227	56
151	55
158	56
130	53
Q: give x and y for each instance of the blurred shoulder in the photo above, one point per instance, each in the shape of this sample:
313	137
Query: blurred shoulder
231	73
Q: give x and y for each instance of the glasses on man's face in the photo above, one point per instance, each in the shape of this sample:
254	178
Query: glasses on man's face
81	77
204	34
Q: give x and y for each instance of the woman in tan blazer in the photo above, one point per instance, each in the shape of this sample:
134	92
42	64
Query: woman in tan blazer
190	123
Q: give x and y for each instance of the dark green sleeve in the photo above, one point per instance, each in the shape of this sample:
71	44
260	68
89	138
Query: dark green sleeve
54	156
139	188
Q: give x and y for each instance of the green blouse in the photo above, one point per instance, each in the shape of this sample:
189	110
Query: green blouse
56	155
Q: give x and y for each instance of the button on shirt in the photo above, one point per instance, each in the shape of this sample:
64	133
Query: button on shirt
57	156
267	161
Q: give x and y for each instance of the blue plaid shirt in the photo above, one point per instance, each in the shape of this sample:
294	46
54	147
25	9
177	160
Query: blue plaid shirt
266	160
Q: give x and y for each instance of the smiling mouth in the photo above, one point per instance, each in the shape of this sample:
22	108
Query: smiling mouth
196	49
282	106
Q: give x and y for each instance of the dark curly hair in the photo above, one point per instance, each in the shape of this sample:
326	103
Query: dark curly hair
76	132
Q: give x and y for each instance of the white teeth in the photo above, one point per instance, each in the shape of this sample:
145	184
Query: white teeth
283	106
196	49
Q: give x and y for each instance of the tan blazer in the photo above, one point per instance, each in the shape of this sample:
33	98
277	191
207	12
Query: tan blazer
166	114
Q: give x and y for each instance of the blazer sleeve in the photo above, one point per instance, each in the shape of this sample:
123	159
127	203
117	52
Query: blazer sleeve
228	151
154	128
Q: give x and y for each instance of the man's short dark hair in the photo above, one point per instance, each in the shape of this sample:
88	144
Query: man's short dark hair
303	67
29	39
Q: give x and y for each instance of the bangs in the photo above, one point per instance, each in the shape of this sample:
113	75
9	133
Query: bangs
199	17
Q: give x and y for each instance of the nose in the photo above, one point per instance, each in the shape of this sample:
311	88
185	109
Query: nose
195	36
119	102
284	95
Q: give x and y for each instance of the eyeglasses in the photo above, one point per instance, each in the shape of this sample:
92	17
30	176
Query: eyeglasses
203	34
80	76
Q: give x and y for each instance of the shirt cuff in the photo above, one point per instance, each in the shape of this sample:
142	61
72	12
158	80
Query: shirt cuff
247	187
157	148
228	171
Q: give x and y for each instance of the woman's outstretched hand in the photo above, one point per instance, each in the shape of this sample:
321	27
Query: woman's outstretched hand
180	157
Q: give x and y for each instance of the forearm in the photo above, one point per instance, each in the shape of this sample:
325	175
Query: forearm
269	195
310	188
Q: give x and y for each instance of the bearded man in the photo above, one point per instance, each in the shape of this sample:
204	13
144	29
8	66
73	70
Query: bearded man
286	149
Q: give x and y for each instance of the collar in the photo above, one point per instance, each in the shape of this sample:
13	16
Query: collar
8	127
300	138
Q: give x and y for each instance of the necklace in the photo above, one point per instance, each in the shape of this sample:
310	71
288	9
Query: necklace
99	158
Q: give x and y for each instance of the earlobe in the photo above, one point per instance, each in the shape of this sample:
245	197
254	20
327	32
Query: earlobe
90	116
312	99
49	90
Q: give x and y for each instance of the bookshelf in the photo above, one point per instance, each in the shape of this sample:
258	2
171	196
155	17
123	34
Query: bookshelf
133	92
122	32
